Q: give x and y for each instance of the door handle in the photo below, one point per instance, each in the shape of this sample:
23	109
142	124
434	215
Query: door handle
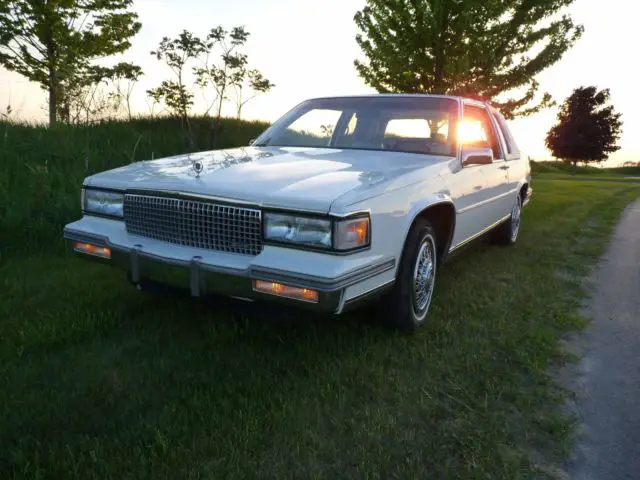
505	167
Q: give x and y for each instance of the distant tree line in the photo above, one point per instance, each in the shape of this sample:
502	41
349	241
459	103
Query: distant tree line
57	43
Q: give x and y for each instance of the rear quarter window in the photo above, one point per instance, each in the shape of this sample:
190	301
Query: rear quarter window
512	148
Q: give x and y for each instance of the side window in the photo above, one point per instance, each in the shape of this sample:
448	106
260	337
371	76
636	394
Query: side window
512	148
477	130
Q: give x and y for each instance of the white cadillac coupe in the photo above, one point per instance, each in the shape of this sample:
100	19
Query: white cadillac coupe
342	200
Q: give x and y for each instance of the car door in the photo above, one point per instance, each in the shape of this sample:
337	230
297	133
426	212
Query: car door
498	201
468	190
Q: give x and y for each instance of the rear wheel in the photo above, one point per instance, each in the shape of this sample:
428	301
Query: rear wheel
507	233
407	306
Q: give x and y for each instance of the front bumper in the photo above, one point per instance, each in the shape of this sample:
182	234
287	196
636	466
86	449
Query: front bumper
196	273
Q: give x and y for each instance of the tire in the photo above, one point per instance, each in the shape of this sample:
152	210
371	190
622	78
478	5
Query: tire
407	306
507	233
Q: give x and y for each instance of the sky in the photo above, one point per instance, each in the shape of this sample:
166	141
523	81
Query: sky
307	49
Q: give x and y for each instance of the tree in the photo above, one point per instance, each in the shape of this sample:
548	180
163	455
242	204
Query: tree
233	68
125	82
53	42
87	97
177	53
485	49
231	72
588	128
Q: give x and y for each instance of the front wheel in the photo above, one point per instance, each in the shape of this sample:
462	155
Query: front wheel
407	306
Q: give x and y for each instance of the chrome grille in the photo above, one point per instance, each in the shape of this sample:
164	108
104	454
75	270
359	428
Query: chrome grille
199	224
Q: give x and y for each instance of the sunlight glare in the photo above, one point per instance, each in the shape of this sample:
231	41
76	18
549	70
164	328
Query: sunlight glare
471	131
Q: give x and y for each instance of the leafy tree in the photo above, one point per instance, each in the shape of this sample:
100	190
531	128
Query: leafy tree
53	42
177	53
486	49
588	128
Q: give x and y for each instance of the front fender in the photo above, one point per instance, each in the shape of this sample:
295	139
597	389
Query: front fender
419	206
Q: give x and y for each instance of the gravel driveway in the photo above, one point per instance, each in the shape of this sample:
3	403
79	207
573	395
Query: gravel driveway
608	377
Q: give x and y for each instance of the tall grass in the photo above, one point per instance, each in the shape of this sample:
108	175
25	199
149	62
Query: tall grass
41	169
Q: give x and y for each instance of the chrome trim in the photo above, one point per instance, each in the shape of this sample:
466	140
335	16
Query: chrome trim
353	213
321	283
479	234
191	196
303	211
245	203
484	202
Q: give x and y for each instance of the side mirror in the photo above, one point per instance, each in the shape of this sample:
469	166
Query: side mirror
476	156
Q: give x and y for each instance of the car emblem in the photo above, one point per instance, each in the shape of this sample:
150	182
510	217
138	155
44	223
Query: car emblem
198	167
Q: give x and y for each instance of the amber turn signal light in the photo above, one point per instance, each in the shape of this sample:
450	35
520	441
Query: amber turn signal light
89	249
280	290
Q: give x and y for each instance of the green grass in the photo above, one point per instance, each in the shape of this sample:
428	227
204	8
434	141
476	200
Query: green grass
591	171
100	381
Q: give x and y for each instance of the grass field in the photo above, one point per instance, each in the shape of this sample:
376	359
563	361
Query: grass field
100	381
584	170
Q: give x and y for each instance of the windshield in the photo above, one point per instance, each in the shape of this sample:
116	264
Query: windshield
397	124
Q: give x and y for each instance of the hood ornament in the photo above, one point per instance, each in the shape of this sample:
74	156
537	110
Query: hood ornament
197	167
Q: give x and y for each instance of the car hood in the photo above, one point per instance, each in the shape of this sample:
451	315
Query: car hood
293	177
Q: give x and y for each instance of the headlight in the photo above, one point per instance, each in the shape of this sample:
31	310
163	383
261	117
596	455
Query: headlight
307	231
341	235
103	202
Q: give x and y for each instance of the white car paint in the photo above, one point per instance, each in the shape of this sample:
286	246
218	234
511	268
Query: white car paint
393	187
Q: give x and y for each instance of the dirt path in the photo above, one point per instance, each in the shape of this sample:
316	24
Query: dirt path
608	377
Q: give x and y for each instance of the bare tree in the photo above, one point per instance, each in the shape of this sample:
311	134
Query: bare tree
253	81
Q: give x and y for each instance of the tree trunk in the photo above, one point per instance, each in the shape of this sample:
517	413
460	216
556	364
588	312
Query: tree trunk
216	128
53	98
53	77
439	48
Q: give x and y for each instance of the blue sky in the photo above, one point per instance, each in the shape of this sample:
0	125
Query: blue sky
307	49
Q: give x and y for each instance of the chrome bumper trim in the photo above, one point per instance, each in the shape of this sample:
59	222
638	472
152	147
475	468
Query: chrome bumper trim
202	279
320	283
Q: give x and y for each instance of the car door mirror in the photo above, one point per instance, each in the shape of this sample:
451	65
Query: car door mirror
476	156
